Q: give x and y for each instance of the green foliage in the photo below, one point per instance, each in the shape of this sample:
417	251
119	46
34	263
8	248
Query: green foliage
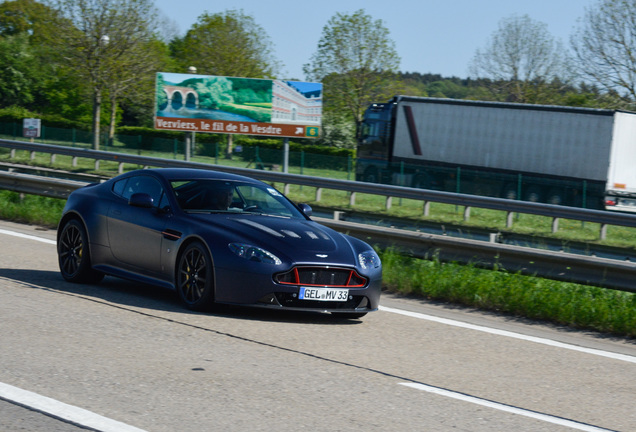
15	114
24	17
575	305
357	62
19	71
214	92
30	209
226	44
355	59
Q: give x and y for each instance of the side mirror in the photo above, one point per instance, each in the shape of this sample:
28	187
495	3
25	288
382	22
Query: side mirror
141	200
305	208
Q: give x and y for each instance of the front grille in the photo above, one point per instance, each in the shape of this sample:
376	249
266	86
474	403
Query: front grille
322	277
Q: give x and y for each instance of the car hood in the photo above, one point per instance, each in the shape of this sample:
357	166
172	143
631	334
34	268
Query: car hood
305	239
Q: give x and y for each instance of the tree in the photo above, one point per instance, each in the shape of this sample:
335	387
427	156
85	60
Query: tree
522	61
103	41
226	44
356	60
18	71
133	76
27	68
24	16
604	46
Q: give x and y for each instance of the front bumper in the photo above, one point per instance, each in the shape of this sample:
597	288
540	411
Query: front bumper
260	290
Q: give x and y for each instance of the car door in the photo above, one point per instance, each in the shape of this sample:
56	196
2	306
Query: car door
135	233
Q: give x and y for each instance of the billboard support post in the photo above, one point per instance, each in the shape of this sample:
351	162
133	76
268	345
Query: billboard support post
285	155
187	148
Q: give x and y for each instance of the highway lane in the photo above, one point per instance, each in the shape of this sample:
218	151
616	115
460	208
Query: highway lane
132	354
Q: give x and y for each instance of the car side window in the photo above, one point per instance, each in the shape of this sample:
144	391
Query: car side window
141	184
119	187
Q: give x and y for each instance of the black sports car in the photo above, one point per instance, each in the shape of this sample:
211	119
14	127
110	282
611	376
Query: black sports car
215	237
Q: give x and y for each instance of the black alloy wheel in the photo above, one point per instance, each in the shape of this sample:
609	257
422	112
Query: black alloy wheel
74	256
194	278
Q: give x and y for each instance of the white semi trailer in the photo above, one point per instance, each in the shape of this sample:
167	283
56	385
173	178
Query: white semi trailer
561	155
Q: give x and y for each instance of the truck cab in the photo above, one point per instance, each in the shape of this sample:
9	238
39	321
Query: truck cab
374	137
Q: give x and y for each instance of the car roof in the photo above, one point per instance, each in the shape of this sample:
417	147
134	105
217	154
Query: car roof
171	174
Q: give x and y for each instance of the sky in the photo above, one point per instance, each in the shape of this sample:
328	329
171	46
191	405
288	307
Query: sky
431	36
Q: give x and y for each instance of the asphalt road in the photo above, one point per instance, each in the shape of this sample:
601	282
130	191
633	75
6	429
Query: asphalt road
121	356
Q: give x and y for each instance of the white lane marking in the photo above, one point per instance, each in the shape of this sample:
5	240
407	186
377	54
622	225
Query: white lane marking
60	410
615	356
507	408
27	236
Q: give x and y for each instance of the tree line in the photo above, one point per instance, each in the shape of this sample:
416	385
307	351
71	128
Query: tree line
93	62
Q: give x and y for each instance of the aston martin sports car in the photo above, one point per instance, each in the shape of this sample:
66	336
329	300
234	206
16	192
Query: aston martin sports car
215	238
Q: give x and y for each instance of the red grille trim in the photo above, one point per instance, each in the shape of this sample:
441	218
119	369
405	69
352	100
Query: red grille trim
322	277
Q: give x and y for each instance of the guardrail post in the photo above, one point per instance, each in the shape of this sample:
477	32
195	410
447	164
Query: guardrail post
352	199
509	218
74	161
318	194
389	200
555	224
337	215
286	188
466	213
96	164
12	153
603	233
32	155
52	158
427	208
120	168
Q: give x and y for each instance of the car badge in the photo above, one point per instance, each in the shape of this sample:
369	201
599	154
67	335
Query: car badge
322	255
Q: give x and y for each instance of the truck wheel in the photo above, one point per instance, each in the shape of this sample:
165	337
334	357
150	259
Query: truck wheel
555	196
510	191
422	181
371	175
533	194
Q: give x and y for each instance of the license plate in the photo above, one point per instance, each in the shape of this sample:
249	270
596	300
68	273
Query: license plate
323	294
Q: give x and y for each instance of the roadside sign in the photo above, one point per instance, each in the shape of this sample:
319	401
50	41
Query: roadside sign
31	128
231	105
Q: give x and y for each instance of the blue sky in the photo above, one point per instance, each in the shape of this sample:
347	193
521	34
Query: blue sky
431	36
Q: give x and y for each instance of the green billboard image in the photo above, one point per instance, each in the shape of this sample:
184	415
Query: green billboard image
219	104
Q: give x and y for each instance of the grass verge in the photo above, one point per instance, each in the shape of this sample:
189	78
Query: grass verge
577	306
573	305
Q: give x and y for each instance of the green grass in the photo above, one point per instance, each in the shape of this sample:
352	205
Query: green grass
574	305
30	209
570	304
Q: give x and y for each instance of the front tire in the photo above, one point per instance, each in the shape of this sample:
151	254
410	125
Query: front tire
195	278
74	255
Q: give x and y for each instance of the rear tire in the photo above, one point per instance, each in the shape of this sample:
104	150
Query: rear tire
194	278
74	256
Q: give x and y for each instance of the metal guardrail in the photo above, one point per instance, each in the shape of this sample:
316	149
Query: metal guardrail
602	272
604	218
565	266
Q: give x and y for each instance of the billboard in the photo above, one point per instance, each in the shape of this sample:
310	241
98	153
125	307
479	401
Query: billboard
247	106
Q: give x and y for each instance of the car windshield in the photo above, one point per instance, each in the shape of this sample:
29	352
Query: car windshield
219	196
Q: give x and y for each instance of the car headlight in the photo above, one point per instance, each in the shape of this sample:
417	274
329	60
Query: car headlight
254	253
369	259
